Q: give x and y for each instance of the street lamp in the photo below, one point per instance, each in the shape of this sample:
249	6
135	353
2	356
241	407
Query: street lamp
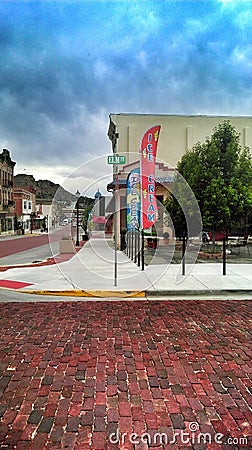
77	224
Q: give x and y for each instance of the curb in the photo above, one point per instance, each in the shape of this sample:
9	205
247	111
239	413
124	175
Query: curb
135	294
201	292
82	293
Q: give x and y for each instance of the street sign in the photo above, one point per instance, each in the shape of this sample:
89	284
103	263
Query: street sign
116	159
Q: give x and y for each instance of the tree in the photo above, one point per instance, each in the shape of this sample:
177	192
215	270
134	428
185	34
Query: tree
219	172
86	205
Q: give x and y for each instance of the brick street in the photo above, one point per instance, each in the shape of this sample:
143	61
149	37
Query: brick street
116	374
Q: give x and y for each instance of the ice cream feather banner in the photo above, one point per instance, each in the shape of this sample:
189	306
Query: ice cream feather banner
133	199
148	151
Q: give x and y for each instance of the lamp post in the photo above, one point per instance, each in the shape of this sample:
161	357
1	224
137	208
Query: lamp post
77	223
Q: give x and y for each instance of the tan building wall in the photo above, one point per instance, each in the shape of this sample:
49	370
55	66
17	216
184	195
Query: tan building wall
178	133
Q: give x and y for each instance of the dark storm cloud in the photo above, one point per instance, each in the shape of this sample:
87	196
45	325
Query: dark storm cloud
66	65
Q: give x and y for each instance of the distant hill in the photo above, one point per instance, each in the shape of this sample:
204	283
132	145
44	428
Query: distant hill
45	189
48	190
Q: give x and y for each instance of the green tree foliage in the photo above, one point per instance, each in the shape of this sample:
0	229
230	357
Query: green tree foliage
219	172
86	205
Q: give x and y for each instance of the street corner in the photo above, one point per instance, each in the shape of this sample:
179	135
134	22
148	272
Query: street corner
57	259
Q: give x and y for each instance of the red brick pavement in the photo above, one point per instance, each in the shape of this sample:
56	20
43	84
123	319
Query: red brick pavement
73	374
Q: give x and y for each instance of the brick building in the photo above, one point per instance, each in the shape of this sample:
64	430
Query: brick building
7	211
25	208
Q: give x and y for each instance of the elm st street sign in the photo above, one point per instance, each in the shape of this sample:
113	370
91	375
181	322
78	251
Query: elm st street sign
116	159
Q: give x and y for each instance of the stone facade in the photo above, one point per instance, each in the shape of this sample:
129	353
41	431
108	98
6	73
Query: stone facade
7	210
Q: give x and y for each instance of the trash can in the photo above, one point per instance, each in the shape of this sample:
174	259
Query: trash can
152	242
123	240
66	245
149	243
155	242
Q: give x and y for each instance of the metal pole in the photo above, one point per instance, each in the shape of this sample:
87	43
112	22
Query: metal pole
224	255
142	248
135	246
115	225
138	248
183	254
77	225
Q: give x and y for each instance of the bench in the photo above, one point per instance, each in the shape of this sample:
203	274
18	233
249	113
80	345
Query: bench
239	243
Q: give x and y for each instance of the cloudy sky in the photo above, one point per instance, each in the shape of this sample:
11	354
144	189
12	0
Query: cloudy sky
65	65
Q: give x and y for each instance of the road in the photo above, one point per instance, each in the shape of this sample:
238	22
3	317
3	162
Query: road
16	250
10	245
178	371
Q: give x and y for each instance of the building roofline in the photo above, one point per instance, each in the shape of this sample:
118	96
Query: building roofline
182	115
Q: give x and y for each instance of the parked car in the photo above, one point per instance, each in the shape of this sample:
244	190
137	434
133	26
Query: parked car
219	235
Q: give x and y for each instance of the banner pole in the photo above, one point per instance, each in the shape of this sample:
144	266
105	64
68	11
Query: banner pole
224	256
142	248
183	254
138	248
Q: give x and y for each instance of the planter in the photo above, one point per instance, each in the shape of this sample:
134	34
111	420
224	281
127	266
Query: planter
205	255
67	246
164	241
152	242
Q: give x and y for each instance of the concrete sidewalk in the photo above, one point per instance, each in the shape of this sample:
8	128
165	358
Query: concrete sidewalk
91	272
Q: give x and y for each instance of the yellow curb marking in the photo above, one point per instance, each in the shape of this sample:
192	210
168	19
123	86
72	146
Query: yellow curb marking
80	293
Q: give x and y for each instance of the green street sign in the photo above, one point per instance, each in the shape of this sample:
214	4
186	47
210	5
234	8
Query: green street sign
116	159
